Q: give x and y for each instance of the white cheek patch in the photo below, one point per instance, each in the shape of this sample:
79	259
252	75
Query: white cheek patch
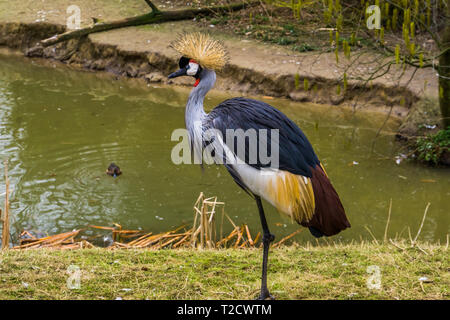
192	70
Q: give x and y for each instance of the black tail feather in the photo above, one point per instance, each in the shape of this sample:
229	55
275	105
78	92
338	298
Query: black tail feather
315	232
329	215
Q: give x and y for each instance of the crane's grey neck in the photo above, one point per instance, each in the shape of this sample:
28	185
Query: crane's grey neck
194	106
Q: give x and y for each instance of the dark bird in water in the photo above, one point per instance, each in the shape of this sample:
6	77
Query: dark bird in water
297	185
113	170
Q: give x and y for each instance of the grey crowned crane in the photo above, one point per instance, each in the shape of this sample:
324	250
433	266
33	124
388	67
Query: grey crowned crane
297	185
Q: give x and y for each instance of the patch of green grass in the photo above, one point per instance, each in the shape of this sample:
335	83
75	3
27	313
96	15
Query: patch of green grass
304	47
312	272
290	28
431	147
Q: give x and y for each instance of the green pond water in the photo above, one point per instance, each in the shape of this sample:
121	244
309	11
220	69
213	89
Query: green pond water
60	129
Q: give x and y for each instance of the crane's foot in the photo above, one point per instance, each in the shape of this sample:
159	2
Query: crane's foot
265	295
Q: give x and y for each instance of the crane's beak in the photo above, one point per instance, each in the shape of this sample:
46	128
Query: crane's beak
181	72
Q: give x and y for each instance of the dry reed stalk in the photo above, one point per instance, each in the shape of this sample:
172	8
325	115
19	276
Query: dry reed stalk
198	217
388	220
183	240
396	245
120	245
122	232
148	240
370	232
211	222
165	244
117	234
249	237
145	241
55	241
204	231
194	236
221	222
243	245
203	226
286	238
5	220
213	233
100	227
140	238
421	224
229	219
23	240
194	233
258	235
418	247
240	231
128	235
229	237
83	244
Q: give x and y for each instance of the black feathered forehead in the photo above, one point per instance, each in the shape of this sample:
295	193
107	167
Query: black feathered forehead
184	61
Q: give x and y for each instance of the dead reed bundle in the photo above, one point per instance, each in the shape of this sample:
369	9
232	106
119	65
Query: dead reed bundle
203	234
157	241
204	227
60	241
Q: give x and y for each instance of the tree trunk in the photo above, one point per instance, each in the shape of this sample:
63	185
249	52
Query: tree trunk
444	74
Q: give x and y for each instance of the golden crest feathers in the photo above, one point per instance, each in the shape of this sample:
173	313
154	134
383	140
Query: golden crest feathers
209	53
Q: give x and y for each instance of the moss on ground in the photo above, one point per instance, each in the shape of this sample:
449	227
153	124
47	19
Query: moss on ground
330	272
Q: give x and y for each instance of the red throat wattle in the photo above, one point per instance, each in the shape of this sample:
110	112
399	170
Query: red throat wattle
196	82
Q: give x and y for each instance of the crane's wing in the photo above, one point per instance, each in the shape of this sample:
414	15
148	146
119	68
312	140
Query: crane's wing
300	187
296	154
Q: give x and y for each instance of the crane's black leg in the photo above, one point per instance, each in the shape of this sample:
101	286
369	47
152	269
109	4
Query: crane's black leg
267	239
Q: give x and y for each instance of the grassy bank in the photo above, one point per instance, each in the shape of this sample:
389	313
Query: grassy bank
313	272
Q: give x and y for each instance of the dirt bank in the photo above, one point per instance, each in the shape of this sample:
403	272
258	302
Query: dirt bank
255	68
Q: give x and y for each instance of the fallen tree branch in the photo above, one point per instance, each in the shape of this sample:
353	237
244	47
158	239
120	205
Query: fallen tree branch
151	5
155	16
